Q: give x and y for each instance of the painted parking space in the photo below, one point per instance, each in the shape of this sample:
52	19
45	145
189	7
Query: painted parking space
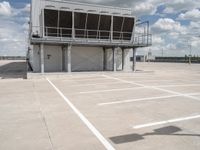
163	112
103	111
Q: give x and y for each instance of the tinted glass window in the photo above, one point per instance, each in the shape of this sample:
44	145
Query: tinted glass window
65	24
51	22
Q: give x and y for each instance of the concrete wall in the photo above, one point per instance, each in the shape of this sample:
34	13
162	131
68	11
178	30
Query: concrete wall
36	16
35	58
82	59
52	58
109	60
119	59
128	64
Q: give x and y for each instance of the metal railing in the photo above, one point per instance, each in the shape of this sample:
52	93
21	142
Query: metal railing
86	33
143	39
65	34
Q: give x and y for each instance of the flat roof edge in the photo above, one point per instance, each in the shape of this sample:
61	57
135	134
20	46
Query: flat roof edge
89	4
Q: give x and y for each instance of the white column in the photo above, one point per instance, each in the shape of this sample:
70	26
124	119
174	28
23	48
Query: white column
134	59
42	57
73	26
114	60
69	47
111	32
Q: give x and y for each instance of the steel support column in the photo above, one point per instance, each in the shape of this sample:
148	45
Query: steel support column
42	57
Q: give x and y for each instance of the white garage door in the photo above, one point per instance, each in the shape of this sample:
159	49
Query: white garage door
87	59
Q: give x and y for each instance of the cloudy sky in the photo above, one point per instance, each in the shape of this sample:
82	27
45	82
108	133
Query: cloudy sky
175	24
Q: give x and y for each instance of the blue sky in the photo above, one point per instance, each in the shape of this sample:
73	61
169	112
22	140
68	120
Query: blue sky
174	24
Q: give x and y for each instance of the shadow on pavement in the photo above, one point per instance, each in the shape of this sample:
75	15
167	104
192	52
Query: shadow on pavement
14	70
169	130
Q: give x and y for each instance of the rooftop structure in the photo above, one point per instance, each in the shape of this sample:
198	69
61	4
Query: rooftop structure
66	24
62	21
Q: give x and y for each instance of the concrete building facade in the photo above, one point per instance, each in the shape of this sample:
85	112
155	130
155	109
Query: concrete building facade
68	36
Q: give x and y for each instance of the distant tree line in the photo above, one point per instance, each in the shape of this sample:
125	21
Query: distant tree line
194	59
12	58
184	59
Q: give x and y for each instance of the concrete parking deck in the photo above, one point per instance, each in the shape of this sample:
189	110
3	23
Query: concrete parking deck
13	69
152	110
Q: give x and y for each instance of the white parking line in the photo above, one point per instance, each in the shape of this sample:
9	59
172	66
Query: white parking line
90	79
156	88
173	92
179	85
154	80
124	81
144	99
85	76
136	100
100	137
111	90
93	84
166	122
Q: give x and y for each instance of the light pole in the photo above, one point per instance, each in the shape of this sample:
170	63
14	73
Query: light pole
190	55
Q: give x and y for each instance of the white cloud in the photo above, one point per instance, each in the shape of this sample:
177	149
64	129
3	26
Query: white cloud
195	24
171	46
168	10
167	25
5	8
13	30
190	15
144	8
12	38
158	40
174	38
180	5
194	28
27	8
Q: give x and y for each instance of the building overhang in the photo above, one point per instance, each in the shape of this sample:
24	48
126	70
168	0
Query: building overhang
92	43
